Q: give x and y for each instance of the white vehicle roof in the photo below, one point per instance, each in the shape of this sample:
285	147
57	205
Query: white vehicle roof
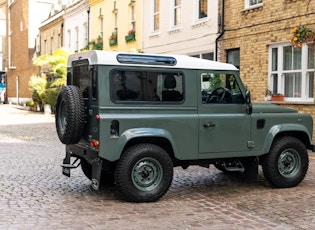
97	57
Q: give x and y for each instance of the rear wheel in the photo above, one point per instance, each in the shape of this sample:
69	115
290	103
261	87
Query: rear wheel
287	162
144	173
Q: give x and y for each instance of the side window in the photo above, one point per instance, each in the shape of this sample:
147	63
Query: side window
220	88
146	86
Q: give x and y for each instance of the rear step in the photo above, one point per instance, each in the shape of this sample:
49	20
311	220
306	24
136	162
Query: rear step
66	167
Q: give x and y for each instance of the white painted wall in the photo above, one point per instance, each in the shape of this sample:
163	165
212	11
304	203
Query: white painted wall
190	38
76	19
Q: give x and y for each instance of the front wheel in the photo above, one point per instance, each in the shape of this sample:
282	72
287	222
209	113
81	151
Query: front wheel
144	173
286	164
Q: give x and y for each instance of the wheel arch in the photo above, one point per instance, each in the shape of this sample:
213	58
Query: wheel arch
158	137
294	130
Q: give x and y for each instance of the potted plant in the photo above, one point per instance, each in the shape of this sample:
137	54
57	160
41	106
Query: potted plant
113	39
131	36
277	97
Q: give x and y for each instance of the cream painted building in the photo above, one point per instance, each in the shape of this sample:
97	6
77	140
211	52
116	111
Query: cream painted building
117	23
181	27
96	21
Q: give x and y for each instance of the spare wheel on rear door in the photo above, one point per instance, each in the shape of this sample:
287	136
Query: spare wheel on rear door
69	115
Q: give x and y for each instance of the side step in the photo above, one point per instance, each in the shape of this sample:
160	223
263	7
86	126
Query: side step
234	166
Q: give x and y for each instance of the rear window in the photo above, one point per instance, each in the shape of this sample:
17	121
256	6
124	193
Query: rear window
146	86
85	77
81	77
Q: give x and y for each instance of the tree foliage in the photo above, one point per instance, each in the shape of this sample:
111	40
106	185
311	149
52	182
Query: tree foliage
45	88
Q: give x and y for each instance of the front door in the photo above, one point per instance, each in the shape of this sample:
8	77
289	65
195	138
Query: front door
224	125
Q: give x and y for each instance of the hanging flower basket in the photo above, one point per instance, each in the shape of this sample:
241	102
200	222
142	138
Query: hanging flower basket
301	35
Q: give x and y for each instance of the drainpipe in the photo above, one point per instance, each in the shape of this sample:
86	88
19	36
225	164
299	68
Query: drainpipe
88	27
221	34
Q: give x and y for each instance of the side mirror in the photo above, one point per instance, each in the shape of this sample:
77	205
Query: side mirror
249	106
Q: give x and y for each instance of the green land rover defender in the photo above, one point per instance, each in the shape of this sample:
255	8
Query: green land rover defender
129	119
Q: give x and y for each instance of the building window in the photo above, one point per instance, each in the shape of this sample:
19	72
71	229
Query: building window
59	41
86	31
101	26
253	3
69	39
176	12
207	56
52	45
132	18
233	57
115	23
202	9
291	71
156	15
76	39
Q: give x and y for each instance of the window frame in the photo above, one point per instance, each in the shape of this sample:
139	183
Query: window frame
155	13
279	83
174	11
132	17
198	11
160	73
248	5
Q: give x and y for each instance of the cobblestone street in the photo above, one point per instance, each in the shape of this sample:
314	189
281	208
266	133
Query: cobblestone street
35	195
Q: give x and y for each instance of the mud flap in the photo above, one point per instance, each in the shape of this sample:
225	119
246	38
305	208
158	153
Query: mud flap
96	173
251	169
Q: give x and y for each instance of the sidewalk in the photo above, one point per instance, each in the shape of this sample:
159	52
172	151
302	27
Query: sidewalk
12	114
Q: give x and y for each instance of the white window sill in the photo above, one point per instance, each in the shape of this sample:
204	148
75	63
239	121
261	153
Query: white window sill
200	22
175	29
154	34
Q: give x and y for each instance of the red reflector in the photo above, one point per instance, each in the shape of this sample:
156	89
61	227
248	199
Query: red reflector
97	117
95	143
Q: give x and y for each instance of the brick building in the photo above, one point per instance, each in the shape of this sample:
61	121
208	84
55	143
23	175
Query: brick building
23	19
256	37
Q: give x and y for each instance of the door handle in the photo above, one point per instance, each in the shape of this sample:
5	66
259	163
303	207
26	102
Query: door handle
209	125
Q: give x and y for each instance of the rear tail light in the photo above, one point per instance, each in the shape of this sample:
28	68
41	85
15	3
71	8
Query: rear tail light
95	143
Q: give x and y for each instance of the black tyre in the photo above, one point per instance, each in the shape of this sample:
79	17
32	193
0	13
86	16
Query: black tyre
144	173
286	164
107	178
69	117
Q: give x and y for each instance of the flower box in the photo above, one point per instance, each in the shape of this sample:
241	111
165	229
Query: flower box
277	97
113	42
130	37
